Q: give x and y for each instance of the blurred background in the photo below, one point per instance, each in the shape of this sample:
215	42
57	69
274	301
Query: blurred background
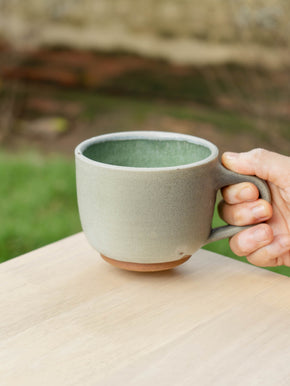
71	70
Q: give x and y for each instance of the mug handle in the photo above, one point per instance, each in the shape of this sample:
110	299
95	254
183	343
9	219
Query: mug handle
225	177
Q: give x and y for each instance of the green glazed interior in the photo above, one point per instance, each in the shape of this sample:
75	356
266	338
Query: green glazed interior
146	153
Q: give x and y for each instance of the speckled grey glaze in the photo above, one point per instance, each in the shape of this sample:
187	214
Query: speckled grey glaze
152	215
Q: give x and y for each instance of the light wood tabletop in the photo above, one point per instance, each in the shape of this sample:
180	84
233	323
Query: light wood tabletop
69	318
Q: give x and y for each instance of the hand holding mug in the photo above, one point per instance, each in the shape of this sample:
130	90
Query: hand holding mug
266	244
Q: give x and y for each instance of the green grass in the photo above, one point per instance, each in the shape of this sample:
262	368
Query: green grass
39	204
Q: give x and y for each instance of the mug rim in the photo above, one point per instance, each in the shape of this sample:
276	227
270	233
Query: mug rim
153	135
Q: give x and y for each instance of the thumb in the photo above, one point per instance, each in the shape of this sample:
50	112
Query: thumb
262	163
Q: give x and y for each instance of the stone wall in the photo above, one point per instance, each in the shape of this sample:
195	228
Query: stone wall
180	30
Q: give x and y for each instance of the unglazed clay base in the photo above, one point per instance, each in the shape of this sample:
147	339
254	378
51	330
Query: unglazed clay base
138	267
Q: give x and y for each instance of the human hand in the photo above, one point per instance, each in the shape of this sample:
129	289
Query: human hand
266	244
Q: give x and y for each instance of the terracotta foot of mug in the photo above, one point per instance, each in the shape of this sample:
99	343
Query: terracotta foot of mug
138	267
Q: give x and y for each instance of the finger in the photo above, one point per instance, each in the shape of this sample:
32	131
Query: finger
265	164
248	241
272	254
235	194
245	213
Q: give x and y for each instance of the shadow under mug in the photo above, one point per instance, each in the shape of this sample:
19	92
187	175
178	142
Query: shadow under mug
146	198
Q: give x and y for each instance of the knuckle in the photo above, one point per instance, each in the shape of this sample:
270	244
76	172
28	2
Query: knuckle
267	232
258	154
259	157
237	217
284	242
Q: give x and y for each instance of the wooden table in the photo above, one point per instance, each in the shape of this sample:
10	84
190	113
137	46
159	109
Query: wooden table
69	318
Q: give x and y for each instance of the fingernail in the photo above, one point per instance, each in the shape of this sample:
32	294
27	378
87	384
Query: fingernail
259	212
231	156
260	234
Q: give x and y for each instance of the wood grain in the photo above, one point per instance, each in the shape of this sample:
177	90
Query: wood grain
69	318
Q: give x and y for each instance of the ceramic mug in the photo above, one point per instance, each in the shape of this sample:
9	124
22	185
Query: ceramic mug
146	198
